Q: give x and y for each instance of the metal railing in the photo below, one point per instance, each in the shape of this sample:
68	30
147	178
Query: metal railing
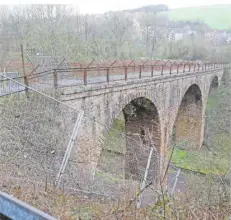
12	208
83	74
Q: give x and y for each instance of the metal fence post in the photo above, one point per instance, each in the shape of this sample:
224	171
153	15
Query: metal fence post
71	144
126	73
152	71
140	72
170	72
177	68
108	75
85	76
162	70
55	79
26	82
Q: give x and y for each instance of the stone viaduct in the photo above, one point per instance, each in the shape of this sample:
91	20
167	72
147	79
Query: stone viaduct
167	108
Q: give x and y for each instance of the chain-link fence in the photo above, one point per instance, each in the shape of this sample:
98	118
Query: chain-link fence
44	163
39	143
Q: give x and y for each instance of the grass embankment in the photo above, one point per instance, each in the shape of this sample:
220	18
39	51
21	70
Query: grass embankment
215	16
203	161
214	157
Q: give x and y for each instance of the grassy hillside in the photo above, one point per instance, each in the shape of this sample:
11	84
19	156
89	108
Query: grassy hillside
216	16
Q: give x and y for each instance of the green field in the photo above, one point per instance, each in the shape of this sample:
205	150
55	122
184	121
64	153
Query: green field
215	16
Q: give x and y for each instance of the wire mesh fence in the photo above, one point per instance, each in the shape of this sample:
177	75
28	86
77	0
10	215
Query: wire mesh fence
44	146
47	148
34	133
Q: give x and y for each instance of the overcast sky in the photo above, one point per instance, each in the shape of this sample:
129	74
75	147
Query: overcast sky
100	6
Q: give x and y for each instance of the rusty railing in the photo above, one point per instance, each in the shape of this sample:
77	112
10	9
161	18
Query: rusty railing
83	74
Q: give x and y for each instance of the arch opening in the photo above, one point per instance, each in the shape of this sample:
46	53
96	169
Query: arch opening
214	85
126	154
143	131
188	124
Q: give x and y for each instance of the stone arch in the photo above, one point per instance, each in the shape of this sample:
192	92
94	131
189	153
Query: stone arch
127	98
140	117
214	84
187	129
142	124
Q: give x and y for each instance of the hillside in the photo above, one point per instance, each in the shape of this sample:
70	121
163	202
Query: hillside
215	16
149	8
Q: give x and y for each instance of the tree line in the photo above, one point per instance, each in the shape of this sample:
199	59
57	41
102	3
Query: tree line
59	30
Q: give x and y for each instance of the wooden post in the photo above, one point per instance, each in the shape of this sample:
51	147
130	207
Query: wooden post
177	68
55	79
189	68
194	67
107	75
24	71
152	71
170	69
85	76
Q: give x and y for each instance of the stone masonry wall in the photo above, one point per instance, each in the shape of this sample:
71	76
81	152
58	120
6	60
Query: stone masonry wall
103	104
